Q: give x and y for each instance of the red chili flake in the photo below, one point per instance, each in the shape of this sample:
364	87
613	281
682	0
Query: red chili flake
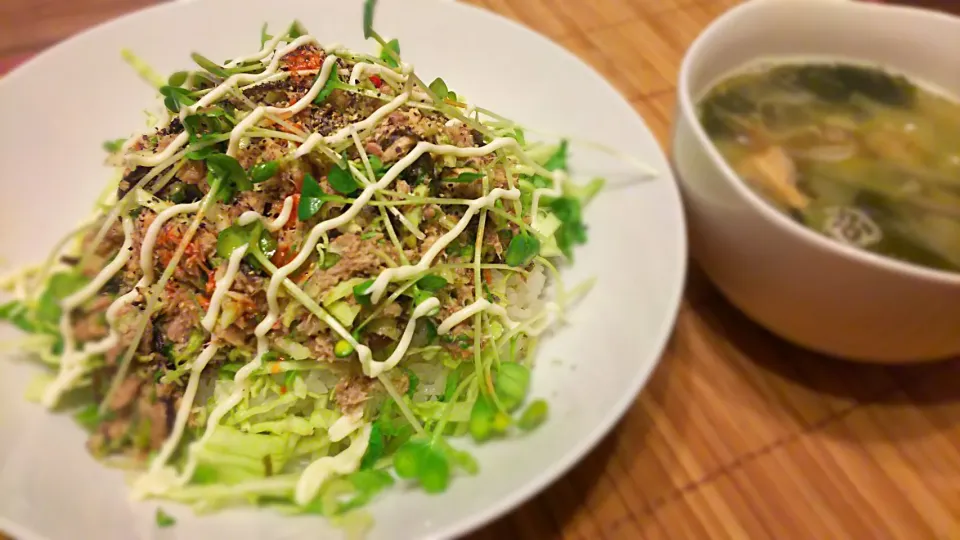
376	80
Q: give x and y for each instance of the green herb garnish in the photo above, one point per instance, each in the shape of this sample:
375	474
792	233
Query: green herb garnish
174	97
522	249
439	87
342	180
311	198
391	59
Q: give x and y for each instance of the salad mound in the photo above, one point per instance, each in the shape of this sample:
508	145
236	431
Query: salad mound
313	274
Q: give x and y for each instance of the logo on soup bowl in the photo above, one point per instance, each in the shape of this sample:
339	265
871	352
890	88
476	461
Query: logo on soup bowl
818	201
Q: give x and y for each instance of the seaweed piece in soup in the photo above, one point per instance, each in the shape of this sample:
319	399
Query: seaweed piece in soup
822	81
878	85
721	104
836	83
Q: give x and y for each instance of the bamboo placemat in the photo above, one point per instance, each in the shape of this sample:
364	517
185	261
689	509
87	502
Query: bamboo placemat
738	435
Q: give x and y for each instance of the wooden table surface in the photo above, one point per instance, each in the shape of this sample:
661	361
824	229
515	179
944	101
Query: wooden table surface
738	435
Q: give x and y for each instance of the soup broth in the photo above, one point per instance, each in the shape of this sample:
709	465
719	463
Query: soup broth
865	157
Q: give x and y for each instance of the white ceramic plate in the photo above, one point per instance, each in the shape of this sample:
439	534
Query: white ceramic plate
57	109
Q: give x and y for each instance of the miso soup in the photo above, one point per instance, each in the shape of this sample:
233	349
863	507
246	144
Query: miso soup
865	157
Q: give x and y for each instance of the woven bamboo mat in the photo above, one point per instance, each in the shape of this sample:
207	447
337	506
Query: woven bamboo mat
738	435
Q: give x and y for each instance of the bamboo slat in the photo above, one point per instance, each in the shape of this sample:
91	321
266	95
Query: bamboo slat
738	435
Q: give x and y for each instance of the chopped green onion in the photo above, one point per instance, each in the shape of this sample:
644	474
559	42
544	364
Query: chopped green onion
261	172
342	349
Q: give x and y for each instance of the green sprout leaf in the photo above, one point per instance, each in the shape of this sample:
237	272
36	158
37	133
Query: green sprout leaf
342	180
558	161
418	460
60	286
230	173
522	249
534	415
375	446
18	314
481	422
391	59
368	8
88	417
413	382
431	282
114	145
439	87
174	97
361	292
264	36
203	126
572	231
296	30
333	82
164	519
178	78
261	172
209	65
377	165
465	177
511	384
518	134
311	198
366	484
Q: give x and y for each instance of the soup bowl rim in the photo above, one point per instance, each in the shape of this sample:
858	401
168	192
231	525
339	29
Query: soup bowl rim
687	106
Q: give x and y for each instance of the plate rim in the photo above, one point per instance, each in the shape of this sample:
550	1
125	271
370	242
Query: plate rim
576	453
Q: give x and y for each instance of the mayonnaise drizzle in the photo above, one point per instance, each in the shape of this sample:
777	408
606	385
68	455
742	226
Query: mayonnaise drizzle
372	368
221	90
404	272
345	425
72	364
320	470
223	285
183	413
251	216
479	306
